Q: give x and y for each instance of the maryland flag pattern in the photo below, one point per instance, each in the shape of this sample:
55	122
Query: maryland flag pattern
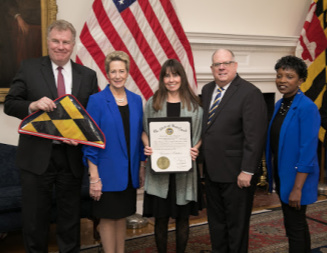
69	121
311	47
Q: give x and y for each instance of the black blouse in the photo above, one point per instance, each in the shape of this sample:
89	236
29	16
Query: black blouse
173	109
124	112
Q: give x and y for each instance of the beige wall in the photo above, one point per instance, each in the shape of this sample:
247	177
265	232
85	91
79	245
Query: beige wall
250	26
250	17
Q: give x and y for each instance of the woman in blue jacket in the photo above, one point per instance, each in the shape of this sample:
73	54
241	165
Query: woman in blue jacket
114	171
291	151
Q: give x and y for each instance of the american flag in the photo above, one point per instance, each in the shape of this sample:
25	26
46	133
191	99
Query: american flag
148	30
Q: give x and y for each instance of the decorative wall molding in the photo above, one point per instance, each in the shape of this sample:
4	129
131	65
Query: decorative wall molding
241	40
248	75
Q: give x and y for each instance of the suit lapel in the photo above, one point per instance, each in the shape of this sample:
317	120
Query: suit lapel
227	96
133	117
77	79
288	119
224	101
115	114
48	76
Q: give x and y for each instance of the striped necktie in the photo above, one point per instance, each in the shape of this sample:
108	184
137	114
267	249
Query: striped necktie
215	104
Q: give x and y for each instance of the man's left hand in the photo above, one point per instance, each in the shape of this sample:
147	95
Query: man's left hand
244	180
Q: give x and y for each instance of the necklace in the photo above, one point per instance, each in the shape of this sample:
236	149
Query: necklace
120	100
284	108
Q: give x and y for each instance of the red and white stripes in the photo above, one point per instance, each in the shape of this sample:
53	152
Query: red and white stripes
148	30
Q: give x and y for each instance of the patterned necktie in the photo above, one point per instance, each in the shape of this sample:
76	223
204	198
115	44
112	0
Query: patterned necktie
60	83
215	104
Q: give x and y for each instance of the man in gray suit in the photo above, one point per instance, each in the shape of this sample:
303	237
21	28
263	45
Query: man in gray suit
45	164
234	127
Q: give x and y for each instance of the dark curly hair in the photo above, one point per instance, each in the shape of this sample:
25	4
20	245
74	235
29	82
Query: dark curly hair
294	63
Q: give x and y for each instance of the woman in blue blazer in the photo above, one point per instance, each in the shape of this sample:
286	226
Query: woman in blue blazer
291	151
114	171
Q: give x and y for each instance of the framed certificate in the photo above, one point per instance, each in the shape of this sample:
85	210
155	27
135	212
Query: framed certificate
170	139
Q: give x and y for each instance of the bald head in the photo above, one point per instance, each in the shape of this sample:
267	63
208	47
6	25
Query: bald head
224	66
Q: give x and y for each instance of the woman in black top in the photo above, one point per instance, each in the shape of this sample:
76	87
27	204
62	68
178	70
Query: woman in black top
172	195
291	151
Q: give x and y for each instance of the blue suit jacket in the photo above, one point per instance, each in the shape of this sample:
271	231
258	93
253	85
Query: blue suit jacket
297	150
113	162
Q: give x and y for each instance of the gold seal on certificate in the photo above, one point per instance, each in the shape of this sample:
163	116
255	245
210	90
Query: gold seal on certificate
170	140
163	163
169	131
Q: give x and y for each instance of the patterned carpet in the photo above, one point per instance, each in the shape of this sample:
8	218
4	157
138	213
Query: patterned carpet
267	234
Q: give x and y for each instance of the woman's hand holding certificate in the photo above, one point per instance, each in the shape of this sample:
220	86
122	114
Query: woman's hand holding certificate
170	141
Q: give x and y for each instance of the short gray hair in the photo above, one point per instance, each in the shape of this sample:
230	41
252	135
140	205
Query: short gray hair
62	25
223	49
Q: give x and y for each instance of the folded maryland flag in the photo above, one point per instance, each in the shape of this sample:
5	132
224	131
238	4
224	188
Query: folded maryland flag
68	121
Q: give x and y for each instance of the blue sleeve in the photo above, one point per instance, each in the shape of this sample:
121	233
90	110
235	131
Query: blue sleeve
309	120
94	110
142	156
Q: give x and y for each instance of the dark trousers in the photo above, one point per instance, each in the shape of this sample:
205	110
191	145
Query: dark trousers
37	200
229	211
297	229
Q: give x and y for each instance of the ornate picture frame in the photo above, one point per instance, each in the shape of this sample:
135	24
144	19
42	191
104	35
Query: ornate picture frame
49	11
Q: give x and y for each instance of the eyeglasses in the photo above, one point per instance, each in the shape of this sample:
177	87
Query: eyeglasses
223	64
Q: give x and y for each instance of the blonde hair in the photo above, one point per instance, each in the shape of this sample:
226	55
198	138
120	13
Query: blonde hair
116	56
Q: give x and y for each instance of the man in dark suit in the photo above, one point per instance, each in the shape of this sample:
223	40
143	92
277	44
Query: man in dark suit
45	164
234	127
